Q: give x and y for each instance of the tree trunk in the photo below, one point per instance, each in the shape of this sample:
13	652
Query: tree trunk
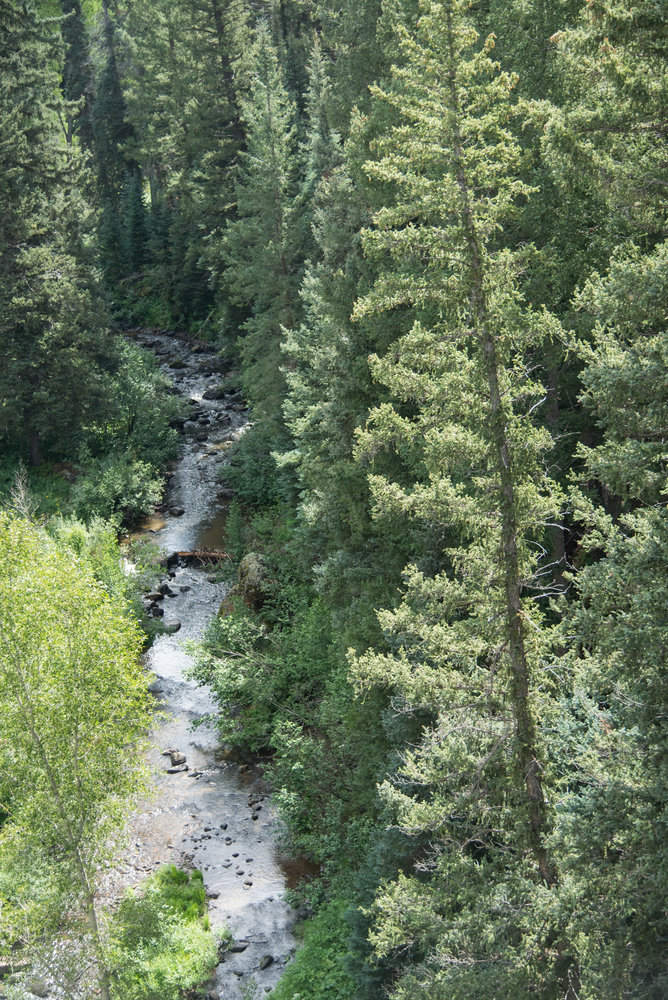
557	532
36	454
525	732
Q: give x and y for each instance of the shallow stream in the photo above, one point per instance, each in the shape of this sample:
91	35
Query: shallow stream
218	814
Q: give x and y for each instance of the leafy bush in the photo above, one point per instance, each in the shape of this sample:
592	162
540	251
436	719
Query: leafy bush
319	969
269	674
117	485
138	421
97	545
160	941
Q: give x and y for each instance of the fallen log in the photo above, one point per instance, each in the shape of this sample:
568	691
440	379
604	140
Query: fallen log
202	556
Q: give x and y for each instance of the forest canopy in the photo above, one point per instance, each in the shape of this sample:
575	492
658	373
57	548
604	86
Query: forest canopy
427	240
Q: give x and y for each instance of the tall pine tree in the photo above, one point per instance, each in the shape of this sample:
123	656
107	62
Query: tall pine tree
480	916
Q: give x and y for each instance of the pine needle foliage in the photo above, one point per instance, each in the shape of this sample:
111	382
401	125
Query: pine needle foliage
466	645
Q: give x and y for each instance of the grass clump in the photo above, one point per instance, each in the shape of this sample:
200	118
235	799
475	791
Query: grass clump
161	944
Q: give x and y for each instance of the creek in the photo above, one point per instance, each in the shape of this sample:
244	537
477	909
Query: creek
218	815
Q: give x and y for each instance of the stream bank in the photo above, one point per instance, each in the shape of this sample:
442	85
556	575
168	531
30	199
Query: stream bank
210	812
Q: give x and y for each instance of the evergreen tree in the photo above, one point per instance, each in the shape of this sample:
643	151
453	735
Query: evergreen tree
264	260
610	756
465	644
54	344
112	130
353	36
320	148
135	224
291	23
77	82
77	75
611	125
188	69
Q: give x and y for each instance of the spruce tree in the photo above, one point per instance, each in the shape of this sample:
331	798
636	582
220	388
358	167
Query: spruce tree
610	754
187	71
54	344
260	247
465	645
112	130
77	85
135	224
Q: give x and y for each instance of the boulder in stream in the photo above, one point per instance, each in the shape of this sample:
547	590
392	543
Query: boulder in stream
215	393
38	988
172	625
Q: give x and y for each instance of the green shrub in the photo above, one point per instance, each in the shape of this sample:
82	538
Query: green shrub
160	941
117	486
97	544
269	673
319	969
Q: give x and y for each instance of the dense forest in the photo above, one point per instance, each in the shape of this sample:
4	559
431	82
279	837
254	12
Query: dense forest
427	241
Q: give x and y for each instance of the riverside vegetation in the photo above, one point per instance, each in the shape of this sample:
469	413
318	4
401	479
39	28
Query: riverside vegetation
428	241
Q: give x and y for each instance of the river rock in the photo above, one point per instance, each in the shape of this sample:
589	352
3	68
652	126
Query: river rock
177	757
236	947
176	511
266	961
38	988
172	625
156	612
255	584
154	596
218	392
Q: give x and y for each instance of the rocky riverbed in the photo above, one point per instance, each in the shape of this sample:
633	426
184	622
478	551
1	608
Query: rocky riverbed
208	810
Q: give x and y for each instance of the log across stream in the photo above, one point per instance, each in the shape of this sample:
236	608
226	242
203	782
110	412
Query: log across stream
217	815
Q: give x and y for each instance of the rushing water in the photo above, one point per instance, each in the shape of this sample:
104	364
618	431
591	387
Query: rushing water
218	814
